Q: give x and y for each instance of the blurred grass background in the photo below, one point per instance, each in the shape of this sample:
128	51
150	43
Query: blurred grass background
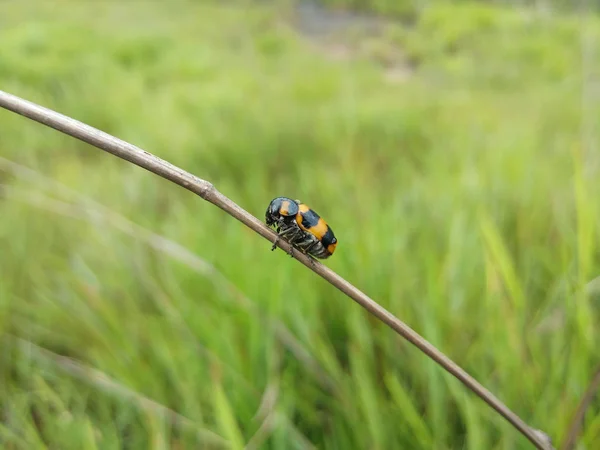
451	146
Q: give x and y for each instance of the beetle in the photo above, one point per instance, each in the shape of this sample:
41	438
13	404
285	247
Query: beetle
301	226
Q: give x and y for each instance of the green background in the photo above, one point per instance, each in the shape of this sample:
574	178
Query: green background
453	150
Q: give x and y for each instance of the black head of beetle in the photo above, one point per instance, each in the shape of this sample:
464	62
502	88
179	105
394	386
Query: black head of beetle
281	209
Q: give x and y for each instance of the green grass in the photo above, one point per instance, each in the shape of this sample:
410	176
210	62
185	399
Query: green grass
464	199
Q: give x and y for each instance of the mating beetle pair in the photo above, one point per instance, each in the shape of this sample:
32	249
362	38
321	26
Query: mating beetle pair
301	226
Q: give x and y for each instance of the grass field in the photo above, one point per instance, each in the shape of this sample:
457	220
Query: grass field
456	159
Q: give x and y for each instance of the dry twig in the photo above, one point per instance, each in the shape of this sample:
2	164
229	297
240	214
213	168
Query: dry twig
209	193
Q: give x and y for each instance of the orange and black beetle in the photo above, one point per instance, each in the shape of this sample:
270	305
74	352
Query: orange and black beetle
301	226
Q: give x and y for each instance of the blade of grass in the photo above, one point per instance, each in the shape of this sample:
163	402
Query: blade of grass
410	414
586	227
579	416
226	419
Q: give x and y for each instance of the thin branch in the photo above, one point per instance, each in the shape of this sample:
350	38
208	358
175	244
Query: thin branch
209	193
579	416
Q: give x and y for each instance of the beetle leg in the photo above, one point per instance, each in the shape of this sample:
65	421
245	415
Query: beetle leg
309	248
280	234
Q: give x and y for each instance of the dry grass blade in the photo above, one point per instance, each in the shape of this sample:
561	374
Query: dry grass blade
208	192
